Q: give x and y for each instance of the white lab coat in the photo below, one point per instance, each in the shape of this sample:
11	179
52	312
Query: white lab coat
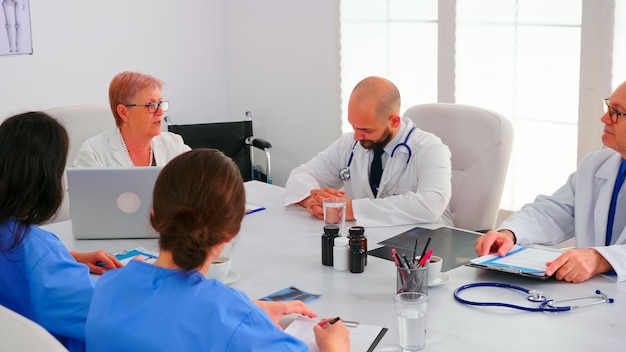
413	193
106	150
580	208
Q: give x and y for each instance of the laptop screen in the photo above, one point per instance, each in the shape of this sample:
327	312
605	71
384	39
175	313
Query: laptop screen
109	203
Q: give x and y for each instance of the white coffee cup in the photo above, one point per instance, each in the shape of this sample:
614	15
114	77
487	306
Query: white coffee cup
219	269
434	268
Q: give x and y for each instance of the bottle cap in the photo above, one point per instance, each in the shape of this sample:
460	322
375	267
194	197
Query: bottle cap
356	230
331	229
341	241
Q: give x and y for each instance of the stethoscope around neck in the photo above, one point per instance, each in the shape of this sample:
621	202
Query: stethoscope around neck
536	296
344	174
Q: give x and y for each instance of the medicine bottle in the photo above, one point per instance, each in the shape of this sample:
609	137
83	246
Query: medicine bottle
341	254
357	233
357	257
328	241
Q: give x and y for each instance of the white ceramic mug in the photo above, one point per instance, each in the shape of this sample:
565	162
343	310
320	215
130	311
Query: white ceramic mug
219	268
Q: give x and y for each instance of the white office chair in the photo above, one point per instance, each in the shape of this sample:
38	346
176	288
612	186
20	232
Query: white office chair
81	123
18	333
480	141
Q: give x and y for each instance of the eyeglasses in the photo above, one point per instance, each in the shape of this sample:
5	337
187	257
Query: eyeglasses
613	114
153	106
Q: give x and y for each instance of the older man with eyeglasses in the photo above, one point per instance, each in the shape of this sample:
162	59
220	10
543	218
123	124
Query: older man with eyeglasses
138	108
590	207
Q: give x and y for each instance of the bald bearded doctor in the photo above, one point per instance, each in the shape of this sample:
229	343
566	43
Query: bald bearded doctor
415	185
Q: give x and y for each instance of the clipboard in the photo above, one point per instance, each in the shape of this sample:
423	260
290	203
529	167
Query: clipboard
520	261
362	337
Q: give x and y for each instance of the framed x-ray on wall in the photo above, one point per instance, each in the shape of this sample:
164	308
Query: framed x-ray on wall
15	23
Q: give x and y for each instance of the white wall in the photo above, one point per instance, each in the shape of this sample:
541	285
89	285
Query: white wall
218	59
80	45
283	66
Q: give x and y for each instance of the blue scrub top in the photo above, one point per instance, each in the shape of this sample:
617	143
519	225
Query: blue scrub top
144	307
43	282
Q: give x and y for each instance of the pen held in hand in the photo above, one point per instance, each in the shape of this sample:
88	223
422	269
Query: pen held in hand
326	323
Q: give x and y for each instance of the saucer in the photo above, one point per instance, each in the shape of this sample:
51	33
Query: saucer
442	279
231	277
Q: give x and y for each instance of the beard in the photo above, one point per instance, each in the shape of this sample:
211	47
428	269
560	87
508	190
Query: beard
379	144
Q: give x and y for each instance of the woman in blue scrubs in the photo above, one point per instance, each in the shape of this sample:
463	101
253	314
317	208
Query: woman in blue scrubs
198	206
39	278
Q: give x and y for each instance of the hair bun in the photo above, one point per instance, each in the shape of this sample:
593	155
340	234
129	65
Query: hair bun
186	216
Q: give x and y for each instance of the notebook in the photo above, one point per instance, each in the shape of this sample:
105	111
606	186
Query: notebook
111	203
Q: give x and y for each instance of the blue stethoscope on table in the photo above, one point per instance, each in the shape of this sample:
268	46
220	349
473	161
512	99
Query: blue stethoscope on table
545	304
344	174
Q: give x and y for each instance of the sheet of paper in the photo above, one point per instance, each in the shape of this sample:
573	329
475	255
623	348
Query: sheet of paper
362	337
527	259
126	256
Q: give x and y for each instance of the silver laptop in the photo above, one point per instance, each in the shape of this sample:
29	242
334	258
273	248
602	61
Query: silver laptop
111	203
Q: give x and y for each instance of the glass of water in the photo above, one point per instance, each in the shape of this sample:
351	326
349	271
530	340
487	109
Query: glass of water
335	213
411	312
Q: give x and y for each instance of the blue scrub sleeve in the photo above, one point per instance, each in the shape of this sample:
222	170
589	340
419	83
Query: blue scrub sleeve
258	327
61	291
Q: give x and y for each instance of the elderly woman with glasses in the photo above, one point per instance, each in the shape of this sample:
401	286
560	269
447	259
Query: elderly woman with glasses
138	108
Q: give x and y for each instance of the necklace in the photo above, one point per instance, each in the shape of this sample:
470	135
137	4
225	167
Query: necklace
150	162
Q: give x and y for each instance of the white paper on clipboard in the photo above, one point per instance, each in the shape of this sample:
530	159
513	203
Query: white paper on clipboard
525	261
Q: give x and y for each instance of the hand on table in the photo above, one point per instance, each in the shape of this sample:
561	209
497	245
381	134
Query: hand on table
578	265
93	259
276	310
314	203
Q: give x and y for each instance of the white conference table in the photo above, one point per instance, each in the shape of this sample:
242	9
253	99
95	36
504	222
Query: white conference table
277	248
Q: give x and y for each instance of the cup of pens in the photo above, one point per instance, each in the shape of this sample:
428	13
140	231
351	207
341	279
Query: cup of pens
412	274
412	279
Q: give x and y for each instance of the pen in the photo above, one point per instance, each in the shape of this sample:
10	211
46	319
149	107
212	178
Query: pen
396	258
250	211
425	258
324	324
424	251
406	261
